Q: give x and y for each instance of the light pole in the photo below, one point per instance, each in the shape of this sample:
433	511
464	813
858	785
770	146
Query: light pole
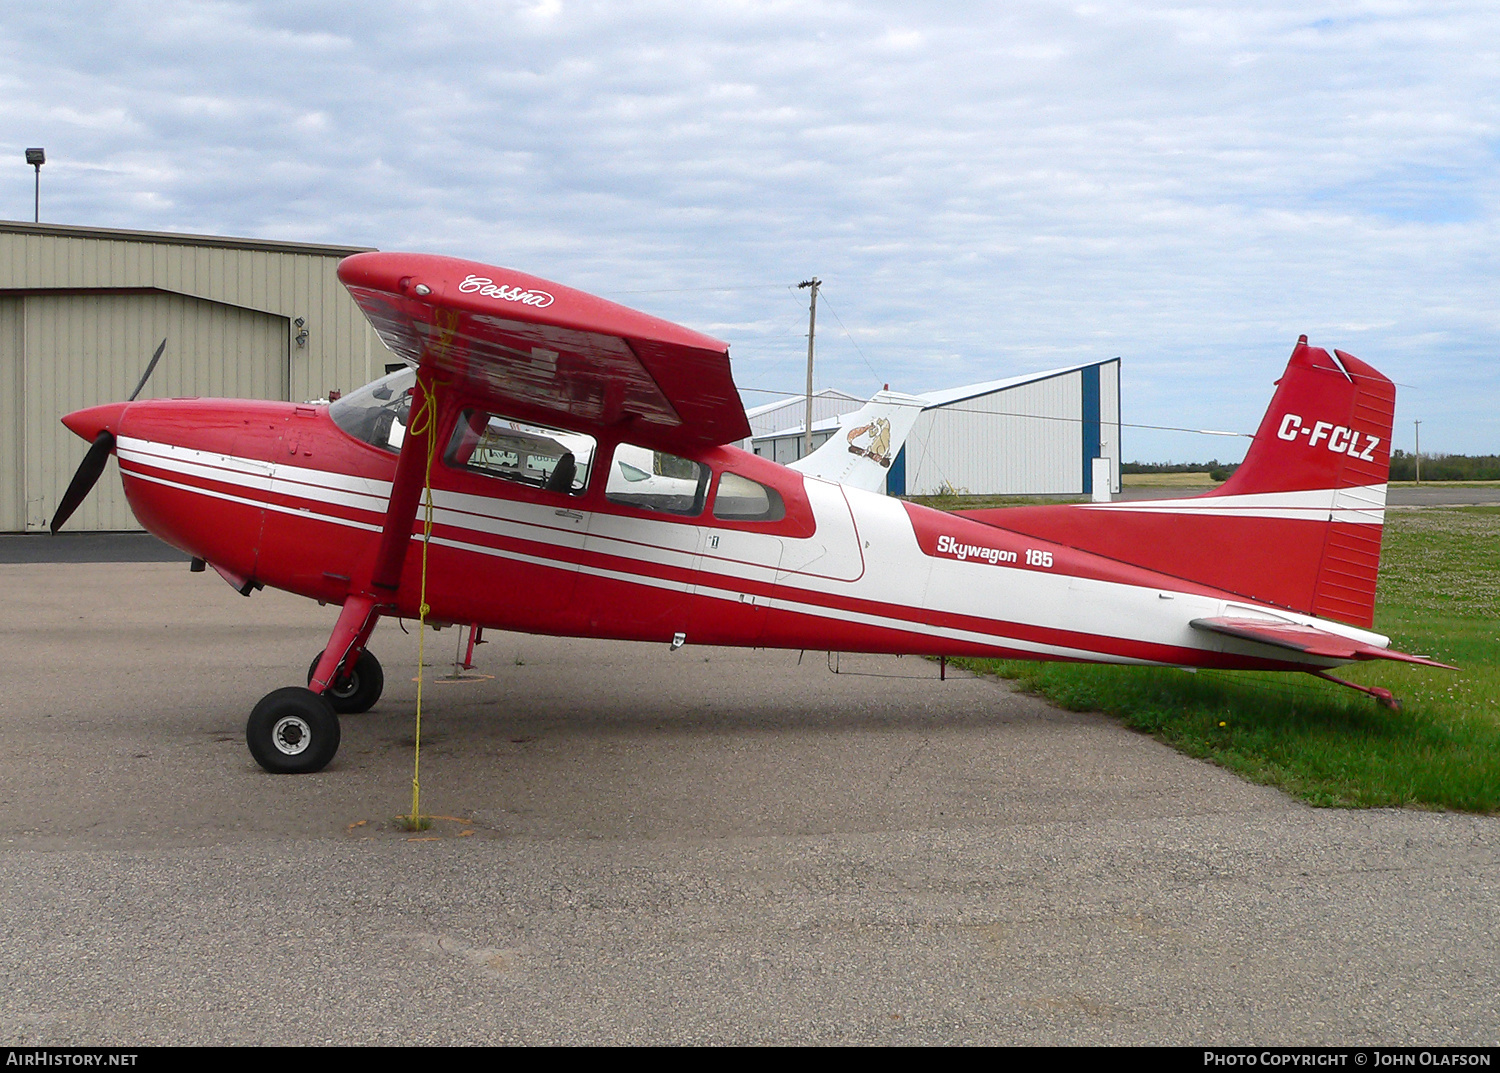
1419	450
36	158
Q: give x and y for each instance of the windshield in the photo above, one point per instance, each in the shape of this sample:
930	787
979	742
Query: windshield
377	413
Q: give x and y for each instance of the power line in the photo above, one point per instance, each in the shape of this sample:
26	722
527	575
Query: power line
1036	417
857	350
701	290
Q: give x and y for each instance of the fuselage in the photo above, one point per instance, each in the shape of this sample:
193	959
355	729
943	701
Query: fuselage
282	495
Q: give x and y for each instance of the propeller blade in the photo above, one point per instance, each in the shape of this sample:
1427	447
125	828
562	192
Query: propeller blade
144	377
88	473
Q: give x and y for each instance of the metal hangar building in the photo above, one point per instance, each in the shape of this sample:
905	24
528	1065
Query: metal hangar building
83	308
1047	433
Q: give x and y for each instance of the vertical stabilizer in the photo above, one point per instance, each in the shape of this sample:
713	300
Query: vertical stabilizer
1328	426
1328	430
860	453
1297	526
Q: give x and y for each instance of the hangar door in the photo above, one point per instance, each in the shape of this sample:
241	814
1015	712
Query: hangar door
63	351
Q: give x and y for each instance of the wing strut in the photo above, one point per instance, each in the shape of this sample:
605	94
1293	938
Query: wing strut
406	489
362	610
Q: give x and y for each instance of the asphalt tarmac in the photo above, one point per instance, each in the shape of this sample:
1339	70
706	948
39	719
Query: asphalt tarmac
707	846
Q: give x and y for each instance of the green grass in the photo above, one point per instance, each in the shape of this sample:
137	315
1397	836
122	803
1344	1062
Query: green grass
1439	595
1169	480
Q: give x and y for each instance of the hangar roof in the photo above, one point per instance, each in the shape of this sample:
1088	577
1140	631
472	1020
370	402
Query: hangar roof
173	238
972	391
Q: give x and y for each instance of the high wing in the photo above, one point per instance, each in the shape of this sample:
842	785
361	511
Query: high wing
543	352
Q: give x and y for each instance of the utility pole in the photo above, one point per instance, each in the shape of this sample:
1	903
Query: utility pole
812	324
1419	450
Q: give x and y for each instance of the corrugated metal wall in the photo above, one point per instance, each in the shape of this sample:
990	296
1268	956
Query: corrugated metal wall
12	420
82	309
81	350
1109	419
792	414
787	449
1017	441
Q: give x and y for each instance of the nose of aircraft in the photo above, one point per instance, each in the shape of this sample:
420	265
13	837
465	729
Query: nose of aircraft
96	419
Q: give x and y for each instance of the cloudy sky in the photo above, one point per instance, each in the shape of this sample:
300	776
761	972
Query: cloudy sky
985	189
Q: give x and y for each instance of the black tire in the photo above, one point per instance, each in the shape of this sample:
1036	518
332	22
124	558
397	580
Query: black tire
292	731
356	691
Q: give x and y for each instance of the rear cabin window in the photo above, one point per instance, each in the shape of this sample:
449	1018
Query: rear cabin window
654	480
742	500
534	455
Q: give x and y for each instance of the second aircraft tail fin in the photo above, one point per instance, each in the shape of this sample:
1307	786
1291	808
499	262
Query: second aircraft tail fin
860	453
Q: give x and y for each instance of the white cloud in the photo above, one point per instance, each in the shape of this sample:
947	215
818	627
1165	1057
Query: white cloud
985	189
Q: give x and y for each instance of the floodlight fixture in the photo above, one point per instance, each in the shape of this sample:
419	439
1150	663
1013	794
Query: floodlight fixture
36	158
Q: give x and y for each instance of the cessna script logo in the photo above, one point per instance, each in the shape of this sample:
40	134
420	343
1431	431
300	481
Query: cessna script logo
490	289
1340	440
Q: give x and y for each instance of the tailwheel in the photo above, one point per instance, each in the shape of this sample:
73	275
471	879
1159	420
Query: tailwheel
355	690
1384	697
293	731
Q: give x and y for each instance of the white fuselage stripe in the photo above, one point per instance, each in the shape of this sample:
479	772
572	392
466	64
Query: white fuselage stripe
1143	621
300	512
1364	504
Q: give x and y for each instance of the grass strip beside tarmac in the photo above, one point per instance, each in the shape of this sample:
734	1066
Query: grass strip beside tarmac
1439	595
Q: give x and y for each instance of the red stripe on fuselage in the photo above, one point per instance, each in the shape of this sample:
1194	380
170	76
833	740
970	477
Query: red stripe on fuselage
786	624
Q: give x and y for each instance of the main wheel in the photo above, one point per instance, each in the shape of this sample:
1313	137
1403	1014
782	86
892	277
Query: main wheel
292	731
356	691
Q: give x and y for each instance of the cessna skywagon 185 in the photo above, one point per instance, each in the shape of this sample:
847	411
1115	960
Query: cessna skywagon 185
554	463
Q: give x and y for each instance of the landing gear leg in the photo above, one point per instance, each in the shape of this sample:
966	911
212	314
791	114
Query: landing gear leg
343	660
356	689
294	731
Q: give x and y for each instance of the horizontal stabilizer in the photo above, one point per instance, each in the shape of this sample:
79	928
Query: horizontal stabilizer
860	453
1308	640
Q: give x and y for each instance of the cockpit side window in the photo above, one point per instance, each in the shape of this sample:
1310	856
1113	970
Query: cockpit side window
533	455
654	480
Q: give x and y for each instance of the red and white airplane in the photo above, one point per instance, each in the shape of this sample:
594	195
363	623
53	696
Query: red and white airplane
580	485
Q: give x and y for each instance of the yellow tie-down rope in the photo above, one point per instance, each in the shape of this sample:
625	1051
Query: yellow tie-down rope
423	423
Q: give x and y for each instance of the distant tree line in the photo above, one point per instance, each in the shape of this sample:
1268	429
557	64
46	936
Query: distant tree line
1216	470
1403	467
1443	467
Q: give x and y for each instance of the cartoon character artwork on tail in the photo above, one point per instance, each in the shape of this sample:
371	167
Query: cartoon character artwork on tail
879	448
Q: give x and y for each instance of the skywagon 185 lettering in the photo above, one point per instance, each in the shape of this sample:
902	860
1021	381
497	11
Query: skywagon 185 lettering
946	545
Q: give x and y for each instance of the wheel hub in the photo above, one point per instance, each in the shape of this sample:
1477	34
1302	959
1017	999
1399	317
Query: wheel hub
291	735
